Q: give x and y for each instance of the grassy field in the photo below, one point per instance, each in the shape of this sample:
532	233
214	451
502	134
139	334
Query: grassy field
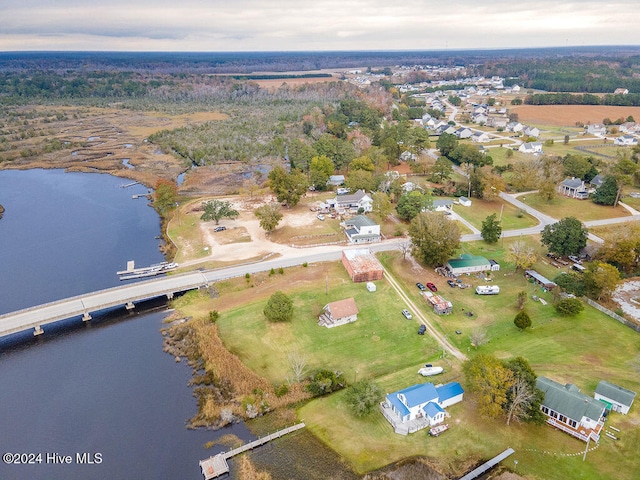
566	349
584	210
481	209
368	346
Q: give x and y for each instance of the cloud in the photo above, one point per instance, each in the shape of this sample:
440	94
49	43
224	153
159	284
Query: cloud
216	25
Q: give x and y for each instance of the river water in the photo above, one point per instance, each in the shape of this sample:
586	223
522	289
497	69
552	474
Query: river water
102	388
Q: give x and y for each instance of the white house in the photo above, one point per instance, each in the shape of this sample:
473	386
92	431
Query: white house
480	118
514	127
352	203
442	205
497	122
480	137
626	140
597	129
629	127
361	229
463	132
338	313
531	147
531	131
420	406
621	91
571	411
619	399
574	188
515	88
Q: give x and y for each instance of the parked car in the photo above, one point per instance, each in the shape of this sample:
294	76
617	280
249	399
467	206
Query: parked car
421	287
422	329
407	314
221	228
575	259
432	287
451	283
320	217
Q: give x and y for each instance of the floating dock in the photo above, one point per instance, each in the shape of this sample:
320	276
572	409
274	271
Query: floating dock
488	465
217	465
132	272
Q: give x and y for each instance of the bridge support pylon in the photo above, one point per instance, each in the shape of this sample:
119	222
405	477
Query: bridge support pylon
86	317
130	306
170	296
37	331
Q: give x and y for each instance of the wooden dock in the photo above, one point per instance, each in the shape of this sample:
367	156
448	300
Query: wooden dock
217	465
488	465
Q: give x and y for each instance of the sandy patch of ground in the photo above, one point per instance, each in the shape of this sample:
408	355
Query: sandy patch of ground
627	296
568	115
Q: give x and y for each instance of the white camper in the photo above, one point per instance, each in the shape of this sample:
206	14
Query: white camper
488	290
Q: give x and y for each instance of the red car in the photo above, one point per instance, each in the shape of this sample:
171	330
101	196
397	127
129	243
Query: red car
432	287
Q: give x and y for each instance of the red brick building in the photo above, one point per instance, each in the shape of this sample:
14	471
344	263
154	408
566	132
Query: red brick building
362	265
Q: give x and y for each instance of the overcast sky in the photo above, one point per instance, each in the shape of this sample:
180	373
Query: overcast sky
261	25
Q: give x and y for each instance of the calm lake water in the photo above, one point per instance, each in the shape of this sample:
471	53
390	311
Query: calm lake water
105	387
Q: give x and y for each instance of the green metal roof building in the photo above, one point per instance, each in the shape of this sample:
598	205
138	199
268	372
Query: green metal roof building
570	410
471	263
617	398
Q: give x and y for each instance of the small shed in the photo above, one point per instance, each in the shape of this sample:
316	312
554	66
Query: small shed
439	304
618	398
338	313
371	286
464	201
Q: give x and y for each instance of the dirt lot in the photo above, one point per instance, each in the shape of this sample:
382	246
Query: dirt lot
568	115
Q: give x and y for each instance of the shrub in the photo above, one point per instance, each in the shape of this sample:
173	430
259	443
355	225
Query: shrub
522	320
272	272
569	306
279	308
281	390
281	271
325	381
305	264
214	315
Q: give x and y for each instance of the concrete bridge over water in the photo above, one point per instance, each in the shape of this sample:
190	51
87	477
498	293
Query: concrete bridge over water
86	304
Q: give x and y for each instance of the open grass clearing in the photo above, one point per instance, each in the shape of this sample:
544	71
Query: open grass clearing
584	210
369	346
479	210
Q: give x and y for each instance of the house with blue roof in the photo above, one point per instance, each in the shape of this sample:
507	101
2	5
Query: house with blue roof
420	406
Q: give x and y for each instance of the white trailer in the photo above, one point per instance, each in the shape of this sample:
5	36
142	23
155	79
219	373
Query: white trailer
488	290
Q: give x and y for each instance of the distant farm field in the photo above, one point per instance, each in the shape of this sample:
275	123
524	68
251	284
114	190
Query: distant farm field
568	115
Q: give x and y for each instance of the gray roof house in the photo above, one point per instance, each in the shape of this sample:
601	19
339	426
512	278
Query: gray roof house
353	202
615	397
571	411
361	229
573	187
597	181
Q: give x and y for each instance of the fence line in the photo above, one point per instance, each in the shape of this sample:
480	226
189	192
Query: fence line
613	315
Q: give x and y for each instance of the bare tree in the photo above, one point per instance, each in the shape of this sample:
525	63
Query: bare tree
522	396
298	364
521	254
478	337
405	247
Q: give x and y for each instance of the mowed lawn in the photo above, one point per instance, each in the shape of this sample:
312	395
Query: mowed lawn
580	350
380	342
480	209
561	207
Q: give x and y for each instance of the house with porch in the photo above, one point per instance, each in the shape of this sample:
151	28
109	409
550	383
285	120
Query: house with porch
571	411
574	188
352	203
361	229
615	397
442	205
420	406
480	137
338	313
